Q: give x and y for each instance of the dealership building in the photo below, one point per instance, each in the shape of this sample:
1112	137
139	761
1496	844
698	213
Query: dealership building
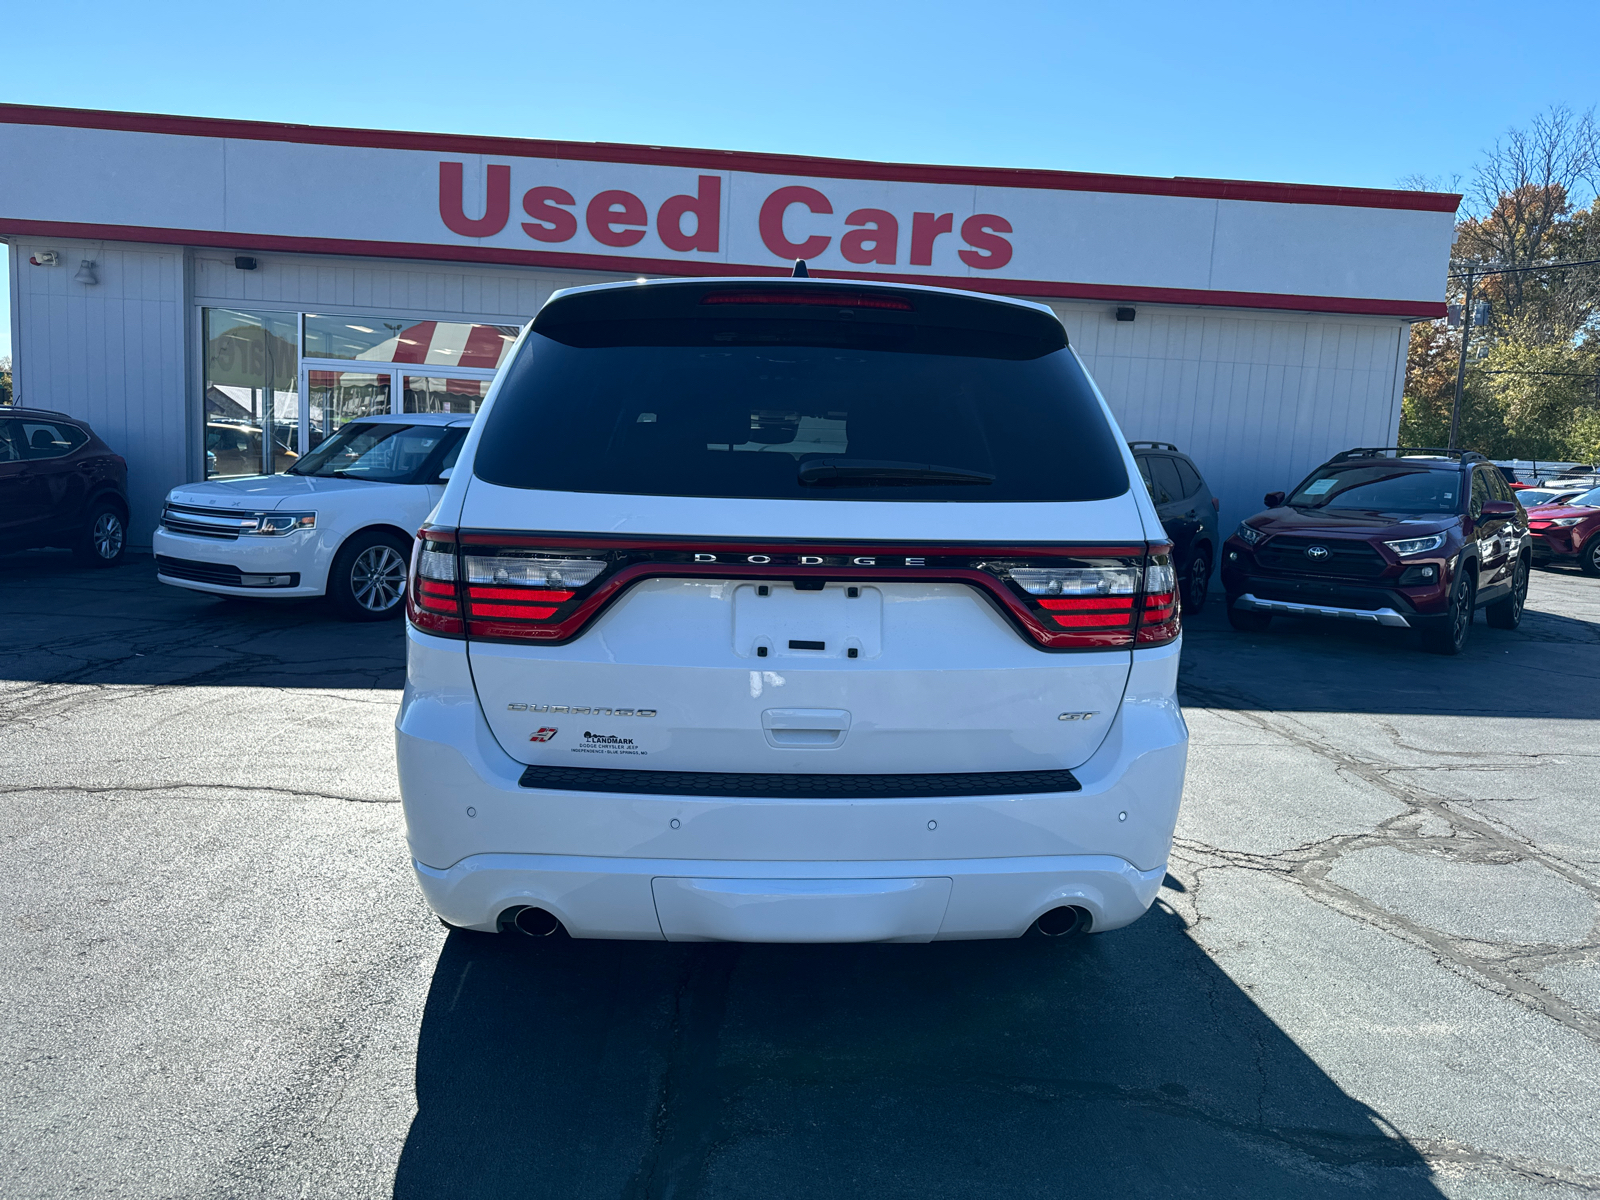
214	297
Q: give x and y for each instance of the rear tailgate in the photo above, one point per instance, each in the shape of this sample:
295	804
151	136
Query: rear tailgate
859	669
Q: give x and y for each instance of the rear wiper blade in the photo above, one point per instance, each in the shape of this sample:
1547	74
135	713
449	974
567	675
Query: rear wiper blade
862	472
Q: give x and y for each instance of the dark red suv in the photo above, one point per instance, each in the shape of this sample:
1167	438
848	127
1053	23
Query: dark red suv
1400	536
60	485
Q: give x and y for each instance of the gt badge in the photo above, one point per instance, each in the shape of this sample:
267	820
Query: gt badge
542	735
1078	716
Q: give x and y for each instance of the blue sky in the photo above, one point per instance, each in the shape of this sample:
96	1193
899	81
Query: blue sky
1357	93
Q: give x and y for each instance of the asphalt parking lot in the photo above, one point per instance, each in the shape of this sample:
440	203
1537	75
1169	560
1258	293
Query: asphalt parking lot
1375	970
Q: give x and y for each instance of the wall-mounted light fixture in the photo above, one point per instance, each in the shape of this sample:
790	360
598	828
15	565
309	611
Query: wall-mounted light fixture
1126	314
46	258
245	263
86	273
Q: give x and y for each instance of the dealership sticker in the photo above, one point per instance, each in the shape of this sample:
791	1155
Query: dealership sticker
607	743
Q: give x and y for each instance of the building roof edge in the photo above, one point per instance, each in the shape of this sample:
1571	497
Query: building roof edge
733	160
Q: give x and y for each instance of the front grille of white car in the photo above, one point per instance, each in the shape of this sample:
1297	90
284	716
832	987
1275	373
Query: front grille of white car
193	521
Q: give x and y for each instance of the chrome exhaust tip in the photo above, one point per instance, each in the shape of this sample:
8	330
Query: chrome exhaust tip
1064	922
533	922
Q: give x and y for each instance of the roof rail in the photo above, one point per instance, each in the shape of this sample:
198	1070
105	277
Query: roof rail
1408	452
1155	446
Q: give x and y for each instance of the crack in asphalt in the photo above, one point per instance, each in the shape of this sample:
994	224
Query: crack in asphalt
1472	839
686	1125
178	786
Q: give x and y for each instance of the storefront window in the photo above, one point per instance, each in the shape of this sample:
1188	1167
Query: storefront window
340	396
252	399
428	394
258	364
404	341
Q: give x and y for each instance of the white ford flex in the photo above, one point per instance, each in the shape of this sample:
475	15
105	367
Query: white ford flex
785	610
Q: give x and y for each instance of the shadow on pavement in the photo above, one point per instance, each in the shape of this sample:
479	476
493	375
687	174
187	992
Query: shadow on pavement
1123	1065
1546	668
66	623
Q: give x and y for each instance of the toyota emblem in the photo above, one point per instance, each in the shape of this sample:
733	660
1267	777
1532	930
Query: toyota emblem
1316	553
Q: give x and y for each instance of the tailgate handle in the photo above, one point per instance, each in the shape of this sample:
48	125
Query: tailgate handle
805	728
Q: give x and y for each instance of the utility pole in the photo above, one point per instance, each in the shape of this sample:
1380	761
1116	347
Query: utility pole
1461	367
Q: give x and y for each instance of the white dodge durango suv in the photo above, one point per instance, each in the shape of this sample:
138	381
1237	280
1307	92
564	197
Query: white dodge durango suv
338	523
791	611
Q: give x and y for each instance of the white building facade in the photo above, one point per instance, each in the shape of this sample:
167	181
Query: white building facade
249	287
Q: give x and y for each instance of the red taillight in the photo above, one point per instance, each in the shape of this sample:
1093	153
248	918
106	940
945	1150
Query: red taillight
1159	622
433	598
524	603
1099	602
510	586
1091	612
519	589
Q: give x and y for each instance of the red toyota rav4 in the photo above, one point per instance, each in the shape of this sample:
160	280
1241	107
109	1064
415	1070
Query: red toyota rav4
1416	538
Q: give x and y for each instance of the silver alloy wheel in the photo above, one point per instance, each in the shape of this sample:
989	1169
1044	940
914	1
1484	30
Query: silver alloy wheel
1461	612
1519	590
1199	582
106	536
378	578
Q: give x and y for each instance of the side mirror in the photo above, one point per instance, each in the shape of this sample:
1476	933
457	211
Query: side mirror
444	475
1499	508
1274	499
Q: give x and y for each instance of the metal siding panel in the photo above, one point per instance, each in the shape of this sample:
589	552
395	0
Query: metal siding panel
1255	399
1397	370
106	354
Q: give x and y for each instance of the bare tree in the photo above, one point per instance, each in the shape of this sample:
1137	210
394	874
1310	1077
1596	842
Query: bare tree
1532	200
1418	182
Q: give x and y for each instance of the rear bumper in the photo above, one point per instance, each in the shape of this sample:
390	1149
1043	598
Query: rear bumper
710	900
483	843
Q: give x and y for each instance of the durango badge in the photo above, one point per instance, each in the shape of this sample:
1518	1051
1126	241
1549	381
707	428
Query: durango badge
579	709
543	735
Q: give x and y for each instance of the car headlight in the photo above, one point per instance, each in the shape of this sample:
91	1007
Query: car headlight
1565	521
1250	536
1417	545
276	524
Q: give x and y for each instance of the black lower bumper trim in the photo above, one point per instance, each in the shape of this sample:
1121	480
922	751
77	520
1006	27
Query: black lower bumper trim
223	574
834	787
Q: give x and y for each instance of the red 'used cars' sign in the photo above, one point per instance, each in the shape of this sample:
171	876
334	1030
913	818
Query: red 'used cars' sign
687	223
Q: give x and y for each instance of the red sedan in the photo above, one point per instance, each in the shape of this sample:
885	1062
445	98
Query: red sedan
1568	532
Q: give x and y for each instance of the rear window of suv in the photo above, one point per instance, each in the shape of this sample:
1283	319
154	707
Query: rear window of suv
728	399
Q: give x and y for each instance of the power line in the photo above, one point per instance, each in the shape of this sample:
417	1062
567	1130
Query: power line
1472	274
1480	272
1572	374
